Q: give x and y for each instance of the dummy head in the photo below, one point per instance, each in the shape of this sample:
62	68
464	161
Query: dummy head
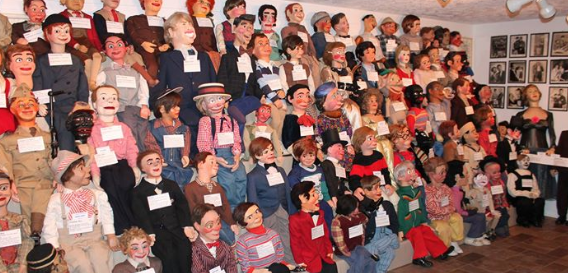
105	101
456	38
402	54
35	10
333	146
199	8
295	13
469	133
483	93
321	22
74	5
400	136
248	215
369	22
415	95
80	121
411	24
347	205
167	104
5	189
393	83
299	96
304	197
372	102
20	60
305	150
449	130
334	54
57	29
206	163
483	117
531	94
513	128
340	24
404	173
179	30
135	243
443	35
328	98
267	15
365	52
260	46
461	86
112	4
234	8
480	180
436	169
243	29
434	55
492	167
207	221
70	170
150	163
456	174
211	98
24	106
115	47
422	62
454	61
523	161
364	140
262	150
293	47
372	187
427	34
389	26
502	128
435	91
263	114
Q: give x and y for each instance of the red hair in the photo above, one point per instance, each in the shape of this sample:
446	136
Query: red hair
189	4
289	9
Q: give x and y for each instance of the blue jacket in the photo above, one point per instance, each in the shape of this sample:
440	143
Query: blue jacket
267	197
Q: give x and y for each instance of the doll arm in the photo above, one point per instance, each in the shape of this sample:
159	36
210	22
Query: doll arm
50	229
551	132
187	141
220	38
297	240
133	30
6	160
83	86
276	139
100	26
535	191
331	179
204	138
324	189
143	92
337	235
511	187
95	170
131	146
283	79
252	177
242	256
94	36
141	213
6	31
237	146
271	95
105	212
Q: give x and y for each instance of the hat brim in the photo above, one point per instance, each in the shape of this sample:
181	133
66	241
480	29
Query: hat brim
211	94
60	174
168	91
327	145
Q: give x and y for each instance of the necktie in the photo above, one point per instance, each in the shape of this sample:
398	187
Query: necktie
160	185
77	13
114	15
214	244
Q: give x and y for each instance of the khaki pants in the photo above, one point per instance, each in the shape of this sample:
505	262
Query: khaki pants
449	230
87	253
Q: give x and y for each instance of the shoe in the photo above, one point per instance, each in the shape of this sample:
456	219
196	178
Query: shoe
560	221
449	251
524	224
36	237
484	241
457	247
472	242
422	262
537	224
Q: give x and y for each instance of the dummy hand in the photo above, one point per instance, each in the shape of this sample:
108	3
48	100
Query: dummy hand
390	190
152	239
42	110
112	242
550	151
382	60
97	181
22	41
278	104
184	161
149	47
130	49
533	195
525	151
334	200
281	94
145	112
237	159
330	203
190	233
400	236
164	47
330	255
291	266
359	193
223	52
235	229
15	197
83	48
137	174
496	213
350	149
23	268
223	162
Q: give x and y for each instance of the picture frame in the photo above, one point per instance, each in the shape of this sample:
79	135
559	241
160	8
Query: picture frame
557	99
559	44
539	45
519	46
498	47
498	97
558	71
514	97
517	71
497	72
538	71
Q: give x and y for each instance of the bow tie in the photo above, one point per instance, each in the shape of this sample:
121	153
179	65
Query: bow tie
76	13
214	244
142	267
314	213
191	52
340	71
306	120
267	166
344	36
160	185
242	50
377	204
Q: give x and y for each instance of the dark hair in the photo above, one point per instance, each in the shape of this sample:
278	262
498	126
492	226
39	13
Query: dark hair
431	86
118	35
253	39
454	167
4	175
408	21
336	18
265	7
367	16
293	89
418	59
346	204
459	82
480	115
301	189
144	154
303	145
368	181
200	158
360	50
244	18
199	211
169	101
241	210
231	4
446	127
327	56
450	57
425	30
258	145
66	176
453	34
291	42
28	3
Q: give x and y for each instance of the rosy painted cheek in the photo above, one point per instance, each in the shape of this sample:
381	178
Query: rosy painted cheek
338	57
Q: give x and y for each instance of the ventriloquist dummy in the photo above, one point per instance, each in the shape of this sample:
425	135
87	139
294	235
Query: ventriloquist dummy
80	123
267	15
78	217
146	31
472	151
439	108
61	71
259	249
462	105
403	66
13	253
201	17
334	174
294	71
321	22
219	134
436	65
411	37
523	187
404	150
25	156
224	31
185	66
368	69
340	24
262	129
427	35
484	120
268	186
29	32
114	168
417	118
452	147
295	16
132	88
389	41
509	148
482	201
310	241
209	253
161	210
84	37
453	62
135	243
493	167
423	75
299	123
395	106
369	24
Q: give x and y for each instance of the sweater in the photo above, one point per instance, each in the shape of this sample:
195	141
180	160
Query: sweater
367	165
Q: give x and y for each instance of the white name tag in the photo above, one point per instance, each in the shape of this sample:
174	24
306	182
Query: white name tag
265	250
114	27
217	269
299	73
105	159
362	84
30	144
317	232
413	205
469	110
398	106
225	138
125	81
414	46
59	59
304	36
382	219
155	21
485	201
460	149
83	23
439	74
372	76
340	172
10	238
274	82
445	201
306	131
380	175
527	183
275	179
344	137
213	199
329	38
346	79
32	36
355	231
440	116
492	138
81	223
159	201
513	156
191	65
3	100
391	45
406	82
174	141
497	189
42	96
258	134
204	22
477	156
112	132
382	128
244	67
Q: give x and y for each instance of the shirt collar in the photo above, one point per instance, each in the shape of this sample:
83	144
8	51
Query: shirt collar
135	263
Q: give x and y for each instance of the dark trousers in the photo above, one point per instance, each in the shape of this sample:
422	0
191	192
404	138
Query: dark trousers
118	181
562	193
65	138
174	249
529	210
328	268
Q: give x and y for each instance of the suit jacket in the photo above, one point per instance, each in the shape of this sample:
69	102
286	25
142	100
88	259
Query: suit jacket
458	111
171	75
126	267
268	198
562	150
503	151
171	218
203	261
305	250
451	151
40	47
234	81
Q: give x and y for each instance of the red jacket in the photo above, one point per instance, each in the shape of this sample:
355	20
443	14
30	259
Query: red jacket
305	250
91	33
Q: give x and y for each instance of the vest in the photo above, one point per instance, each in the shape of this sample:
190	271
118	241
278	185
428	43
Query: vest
128	96
288	67
108	15
519	182
228	34
346	223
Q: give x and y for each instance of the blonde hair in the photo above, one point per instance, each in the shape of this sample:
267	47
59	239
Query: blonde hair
170	23
131	234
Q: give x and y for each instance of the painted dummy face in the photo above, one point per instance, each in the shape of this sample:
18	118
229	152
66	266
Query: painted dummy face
253	217
296	53
394	82
439	174
262	48
490	121
342	27
301	99
324	25
138	249
369	55
172	114
243	32
388	28
425	63
375	193
493	172
36	11
182	33
80	123
407	178
415	95
446	38
533	94
236	11
480	181
107	102
471	136
457	40
436	94
372	104
370	23
81	176
503	130
210	165
210	226
336	151
25	110
115	48
370	143
402	140
333	101
151	165
5	192
311	203
428	36
268	20
113	4
524	163
404	57
338	55
74	5
22	64
485	94
514	134
214	105
415	29
455	135
263	114
201	8
308	158
153	7
449	93
464	89
267	156
60	34
456	63
434	55
296	15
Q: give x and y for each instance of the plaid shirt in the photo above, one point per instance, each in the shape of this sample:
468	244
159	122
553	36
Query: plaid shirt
499	200
384	38
17	221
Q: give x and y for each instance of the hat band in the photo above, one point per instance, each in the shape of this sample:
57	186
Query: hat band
51	256
212	89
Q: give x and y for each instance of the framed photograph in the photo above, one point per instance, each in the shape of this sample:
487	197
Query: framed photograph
498	47
514	100
539	45
537	71
559	71
559	44
557	99
497	72
518	48
517	71
498	97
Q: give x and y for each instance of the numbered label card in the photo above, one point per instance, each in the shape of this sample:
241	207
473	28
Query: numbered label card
10	238
80	223
265	250
244	67
30	144
125	81
114	27
112	132
382	219
78	22
213	199
204	22
329	38
159	201
469	110
373	76
317	232
340	172
413	205
105	159
382	128
440	116
406	82
59	59
478	156
3	102
226	138
275	179
345	137
414	46
513	156
492	138
306	131
497	189
258	134
398	106
192	65
299	73
444	201
355	231
32	36
174	141
155	21
527	183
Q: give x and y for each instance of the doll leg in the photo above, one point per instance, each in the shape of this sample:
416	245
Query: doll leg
456	227
416	238
118	181
76	258
151	61
65	138
383	245
278	222
94	70
523	206
502	228
444	230
173	249
135	61
538	211
277	120
138	125
477	222
98	251
215	59
435	246
233	183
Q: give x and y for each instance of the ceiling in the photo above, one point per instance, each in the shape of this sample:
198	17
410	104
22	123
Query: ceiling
461	11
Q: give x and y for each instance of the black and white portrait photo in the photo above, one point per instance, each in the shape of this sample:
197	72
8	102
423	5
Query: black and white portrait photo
557	99
518	46
537	71
517	71
539	45
498	47
514	100
559	46
498	97
559	71
497	72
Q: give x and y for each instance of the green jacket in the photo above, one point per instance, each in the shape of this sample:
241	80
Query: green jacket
406	218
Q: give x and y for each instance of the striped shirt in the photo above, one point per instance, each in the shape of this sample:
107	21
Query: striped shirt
249	243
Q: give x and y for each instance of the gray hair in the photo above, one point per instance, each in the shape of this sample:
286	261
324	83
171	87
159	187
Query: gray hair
402	169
